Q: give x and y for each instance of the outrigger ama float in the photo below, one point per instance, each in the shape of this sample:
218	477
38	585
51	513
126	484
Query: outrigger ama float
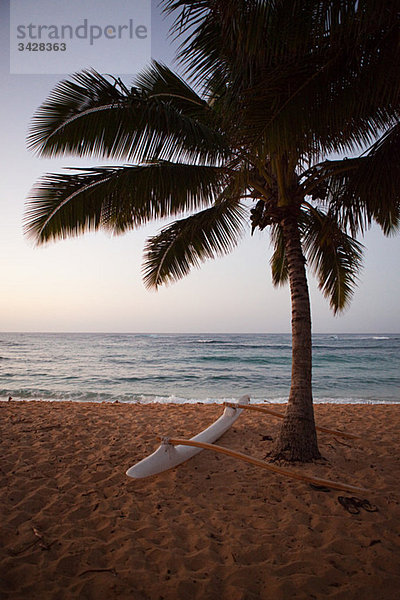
174	451
168	456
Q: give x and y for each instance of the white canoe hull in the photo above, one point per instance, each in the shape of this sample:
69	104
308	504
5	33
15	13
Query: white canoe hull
168	456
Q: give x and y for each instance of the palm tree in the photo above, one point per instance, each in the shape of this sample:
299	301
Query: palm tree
280	86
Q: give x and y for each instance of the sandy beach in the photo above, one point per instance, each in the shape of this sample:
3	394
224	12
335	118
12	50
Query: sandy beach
74	526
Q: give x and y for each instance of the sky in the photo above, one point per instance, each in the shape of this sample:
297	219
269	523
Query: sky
94	283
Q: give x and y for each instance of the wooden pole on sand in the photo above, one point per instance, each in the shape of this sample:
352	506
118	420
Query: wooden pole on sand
260	463
263	409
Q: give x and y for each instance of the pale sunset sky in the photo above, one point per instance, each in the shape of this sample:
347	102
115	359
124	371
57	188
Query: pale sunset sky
94	283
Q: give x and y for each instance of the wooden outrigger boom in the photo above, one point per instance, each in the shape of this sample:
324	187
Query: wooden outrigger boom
263	409
260	463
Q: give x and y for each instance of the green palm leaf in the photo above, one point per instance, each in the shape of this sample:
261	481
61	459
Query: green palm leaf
364	189
332	185
89	93
158	81
334	255
378	181
186	243
117	198
278	262
90	116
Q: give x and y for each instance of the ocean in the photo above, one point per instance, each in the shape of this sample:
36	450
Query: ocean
188	368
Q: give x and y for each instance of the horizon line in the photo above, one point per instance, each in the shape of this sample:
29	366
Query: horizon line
61	332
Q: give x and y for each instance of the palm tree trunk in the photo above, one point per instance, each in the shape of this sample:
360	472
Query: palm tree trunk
297	439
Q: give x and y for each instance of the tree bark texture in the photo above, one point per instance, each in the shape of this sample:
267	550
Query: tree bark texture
298	439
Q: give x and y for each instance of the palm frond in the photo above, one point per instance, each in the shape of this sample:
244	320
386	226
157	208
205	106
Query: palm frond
117	198
278	262
90	116
61	206
364	189
159	81
330	185
334	255
88	93
378	181
238	35
186	243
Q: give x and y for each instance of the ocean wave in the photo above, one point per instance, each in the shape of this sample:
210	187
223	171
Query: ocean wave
337	349
241	345
248	360
173	399
378	337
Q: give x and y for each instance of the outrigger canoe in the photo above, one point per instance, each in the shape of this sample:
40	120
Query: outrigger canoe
168	456
174	451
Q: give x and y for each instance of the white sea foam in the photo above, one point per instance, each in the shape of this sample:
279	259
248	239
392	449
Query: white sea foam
178	400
